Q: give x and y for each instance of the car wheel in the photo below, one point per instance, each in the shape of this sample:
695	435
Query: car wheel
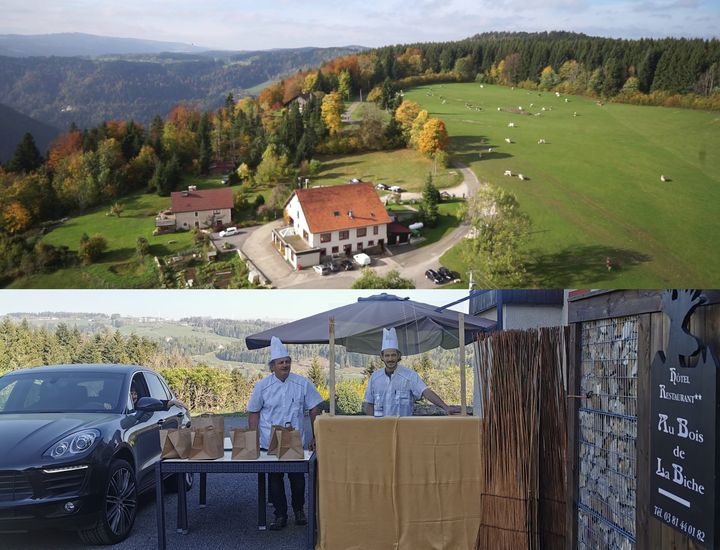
119	507
171	483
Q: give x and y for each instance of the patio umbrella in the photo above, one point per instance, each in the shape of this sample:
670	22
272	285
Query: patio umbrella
358	326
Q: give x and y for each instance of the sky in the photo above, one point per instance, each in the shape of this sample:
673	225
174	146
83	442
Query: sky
245	25
271	305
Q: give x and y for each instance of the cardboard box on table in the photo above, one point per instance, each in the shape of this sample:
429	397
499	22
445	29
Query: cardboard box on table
395	483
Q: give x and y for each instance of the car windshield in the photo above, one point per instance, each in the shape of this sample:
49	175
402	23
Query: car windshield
61	391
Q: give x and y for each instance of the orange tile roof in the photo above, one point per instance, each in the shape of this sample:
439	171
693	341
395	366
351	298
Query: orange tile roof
320	205
203	199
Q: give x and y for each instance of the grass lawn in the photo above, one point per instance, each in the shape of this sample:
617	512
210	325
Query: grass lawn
593	190
118	267
404	167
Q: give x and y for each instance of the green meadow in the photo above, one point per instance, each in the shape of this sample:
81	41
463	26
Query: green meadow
119	266
593	190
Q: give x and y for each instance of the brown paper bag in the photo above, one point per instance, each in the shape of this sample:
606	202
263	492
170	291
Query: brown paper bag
175	443
245	444
214	420
207	444
290	445
274	438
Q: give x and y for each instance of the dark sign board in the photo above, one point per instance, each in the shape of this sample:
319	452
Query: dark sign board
683	410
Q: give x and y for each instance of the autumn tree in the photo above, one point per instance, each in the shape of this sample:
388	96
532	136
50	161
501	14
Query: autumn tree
496	251
548	78
116	209
371	128
92	248
433	138
273	167
405	115
344	84
417	127
16	218
332	107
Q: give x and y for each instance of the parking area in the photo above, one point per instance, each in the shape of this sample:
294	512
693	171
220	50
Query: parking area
228	521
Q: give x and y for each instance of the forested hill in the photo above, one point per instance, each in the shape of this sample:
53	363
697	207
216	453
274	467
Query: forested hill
62	90
14	126
674	65
77	43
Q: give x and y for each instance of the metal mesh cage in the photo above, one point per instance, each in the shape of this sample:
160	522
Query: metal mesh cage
607	434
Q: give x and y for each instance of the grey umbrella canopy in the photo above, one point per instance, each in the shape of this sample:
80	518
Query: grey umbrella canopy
358	326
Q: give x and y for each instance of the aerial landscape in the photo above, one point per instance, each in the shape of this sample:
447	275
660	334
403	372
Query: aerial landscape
450	266
502	159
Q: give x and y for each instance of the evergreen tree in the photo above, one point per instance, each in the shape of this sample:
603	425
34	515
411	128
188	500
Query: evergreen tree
315	373
27	157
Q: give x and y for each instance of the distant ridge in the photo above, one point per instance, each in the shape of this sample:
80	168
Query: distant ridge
15	125
74	44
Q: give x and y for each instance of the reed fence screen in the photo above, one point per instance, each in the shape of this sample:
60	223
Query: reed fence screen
521	376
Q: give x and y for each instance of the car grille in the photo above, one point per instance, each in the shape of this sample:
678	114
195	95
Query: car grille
14	486
61	483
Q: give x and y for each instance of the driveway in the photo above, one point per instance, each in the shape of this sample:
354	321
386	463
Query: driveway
410	261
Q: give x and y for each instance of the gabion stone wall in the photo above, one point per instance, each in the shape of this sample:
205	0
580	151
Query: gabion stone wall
607	433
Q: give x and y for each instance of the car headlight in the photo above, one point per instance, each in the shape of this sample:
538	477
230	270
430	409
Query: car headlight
73	444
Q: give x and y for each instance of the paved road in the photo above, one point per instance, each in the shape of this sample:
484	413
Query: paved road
410	261
228	521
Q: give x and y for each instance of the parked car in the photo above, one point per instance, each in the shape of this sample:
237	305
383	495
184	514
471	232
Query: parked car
347	265
229	232
362	259
78	449
381	187
333	266
447	274
322	269
395	188
434	276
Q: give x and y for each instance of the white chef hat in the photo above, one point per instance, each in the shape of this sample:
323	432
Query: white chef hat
277	349
389	340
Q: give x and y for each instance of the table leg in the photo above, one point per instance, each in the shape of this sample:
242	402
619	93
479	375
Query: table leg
203	489
182	505
159	505
262	519
311	504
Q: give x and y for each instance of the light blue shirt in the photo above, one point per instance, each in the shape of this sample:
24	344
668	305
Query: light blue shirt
280	402
398	392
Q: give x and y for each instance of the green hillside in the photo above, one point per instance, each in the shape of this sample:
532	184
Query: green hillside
594	190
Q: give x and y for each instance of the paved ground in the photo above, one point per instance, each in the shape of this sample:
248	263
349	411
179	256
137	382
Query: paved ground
228	521
410	261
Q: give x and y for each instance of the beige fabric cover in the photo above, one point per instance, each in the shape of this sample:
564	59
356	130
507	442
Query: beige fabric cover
398	483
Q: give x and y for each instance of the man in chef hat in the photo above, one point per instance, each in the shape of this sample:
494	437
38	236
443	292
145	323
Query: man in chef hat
277	399
394	389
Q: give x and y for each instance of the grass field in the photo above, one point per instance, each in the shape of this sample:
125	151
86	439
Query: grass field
118	267
593	190
405	167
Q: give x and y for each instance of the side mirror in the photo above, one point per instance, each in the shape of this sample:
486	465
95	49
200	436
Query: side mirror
149	404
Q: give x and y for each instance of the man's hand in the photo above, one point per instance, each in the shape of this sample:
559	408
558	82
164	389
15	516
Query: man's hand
452	409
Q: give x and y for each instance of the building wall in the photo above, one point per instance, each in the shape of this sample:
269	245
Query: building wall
295	211
186	220
518	317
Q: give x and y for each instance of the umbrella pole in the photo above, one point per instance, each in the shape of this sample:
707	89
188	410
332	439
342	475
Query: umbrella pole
461	359
331	359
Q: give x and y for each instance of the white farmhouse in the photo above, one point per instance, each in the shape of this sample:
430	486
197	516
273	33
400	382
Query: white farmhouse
207	208
322	221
